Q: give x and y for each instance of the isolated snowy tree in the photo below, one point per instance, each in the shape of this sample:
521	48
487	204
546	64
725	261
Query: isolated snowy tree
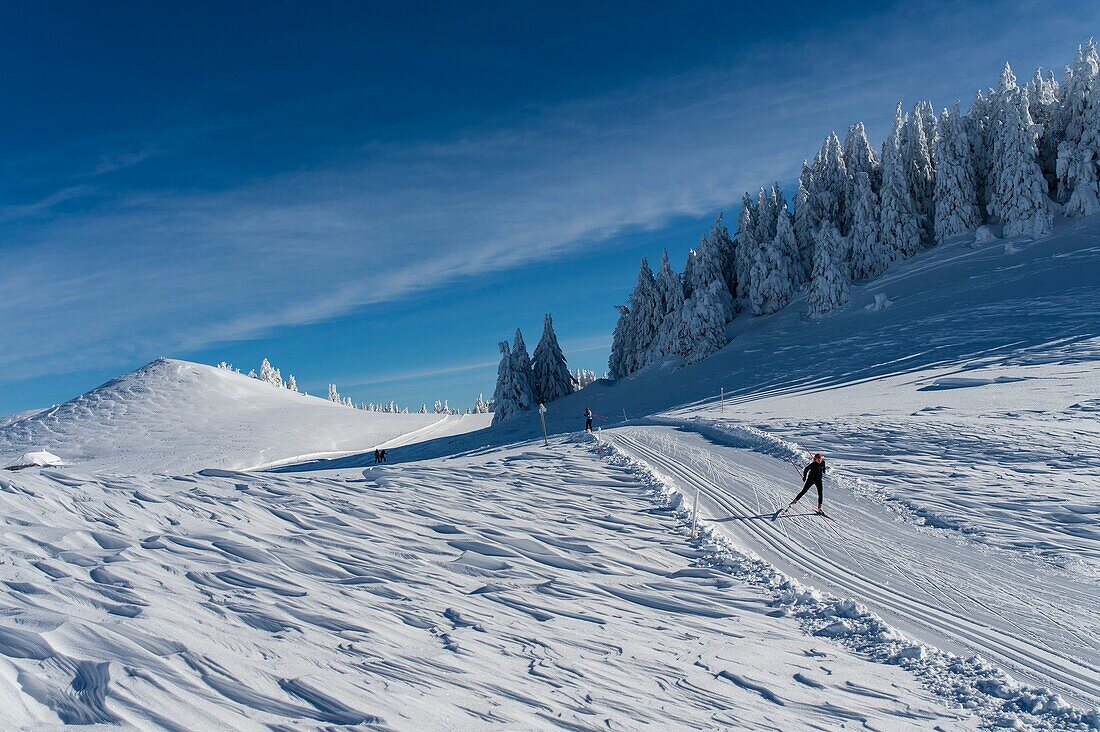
772	276
916	152
828	285
333	395
804	223
956	194
292	383
267	373
552	377
898	220
1020	191
869	257
480	405
348	402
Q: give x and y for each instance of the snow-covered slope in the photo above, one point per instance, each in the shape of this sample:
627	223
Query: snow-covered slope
526	588
176	416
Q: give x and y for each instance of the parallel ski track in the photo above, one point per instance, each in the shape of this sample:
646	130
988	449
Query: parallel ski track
1012	653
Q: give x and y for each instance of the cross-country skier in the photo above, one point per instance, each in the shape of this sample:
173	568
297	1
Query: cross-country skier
587	419
812	474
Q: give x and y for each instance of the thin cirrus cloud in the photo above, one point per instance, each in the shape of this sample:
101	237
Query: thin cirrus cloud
138	273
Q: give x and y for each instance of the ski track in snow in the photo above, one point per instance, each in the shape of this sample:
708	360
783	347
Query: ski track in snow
1021	614
528	588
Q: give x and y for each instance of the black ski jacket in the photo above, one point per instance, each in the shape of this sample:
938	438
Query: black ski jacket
814	471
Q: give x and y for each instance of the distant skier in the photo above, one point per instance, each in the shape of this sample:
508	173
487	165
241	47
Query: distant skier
587	419
812	474
382	454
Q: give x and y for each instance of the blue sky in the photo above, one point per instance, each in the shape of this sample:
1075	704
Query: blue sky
377	195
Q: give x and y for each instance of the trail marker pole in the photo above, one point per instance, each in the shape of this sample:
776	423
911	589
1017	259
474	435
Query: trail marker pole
542	416
695	513
723	400
624	415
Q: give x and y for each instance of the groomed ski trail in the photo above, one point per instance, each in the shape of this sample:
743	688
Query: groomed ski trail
1037	623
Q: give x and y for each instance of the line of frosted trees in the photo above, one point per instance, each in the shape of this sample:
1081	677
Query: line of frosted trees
524	382
271	375
1017	156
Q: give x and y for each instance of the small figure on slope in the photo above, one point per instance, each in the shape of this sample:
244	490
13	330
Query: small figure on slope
812	474
587	419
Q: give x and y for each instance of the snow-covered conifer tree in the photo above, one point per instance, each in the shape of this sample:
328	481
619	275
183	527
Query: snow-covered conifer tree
523	376
745	249
480	407
504	397
1043	92
708	267
772	276
620	362
267	373
1020	191
1073	118
830	182
956	194
869	256
333	395
898	220
980	127
704	327
828	285
552	377
437	408
292	383
916	152
584	378
804	223
671	292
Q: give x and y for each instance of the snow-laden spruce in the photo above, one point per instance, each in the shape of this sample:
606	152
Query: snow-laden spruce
552	377
1019	189
703	324
804	223
830	178
916	147
1076	163
505	404
773	274
708	267
745	250
956	197
870	257
898	219
523	376
670	291
829	284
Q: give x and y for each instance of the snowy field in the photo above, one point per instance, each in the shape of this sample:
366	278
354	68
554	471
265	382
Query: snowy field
525	588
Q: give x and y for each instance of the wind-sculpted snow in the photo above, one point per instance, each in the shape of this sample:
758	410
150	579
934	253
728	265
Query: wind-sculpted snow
175	416
525	588
952	612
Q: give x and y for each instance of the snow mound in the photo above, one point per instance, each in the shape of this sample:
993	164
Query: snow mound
177	416
40	458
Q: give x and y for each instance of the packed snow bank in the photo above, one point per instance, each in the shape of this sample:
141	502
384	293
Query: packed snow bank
176	416
41	458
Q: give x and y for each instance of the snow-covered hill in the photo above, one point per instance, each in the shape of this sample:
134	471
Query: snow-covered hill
176	416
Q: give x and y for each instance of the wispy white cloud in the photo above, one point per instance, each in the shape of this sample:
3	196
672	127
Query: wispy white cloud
163	270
